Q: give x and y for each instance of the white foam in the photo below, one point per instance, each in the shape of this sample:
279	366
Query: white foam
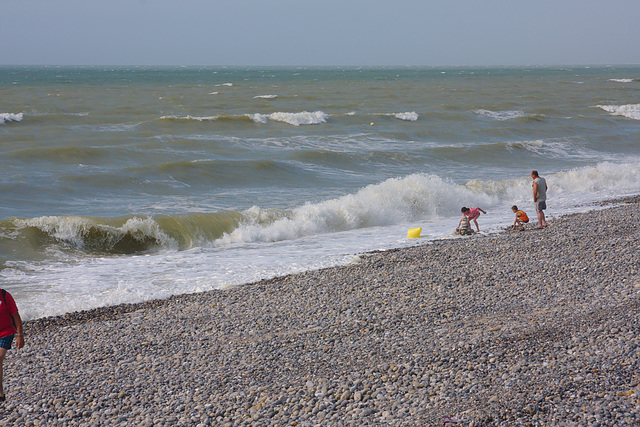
630	111
501	115
621	80
265	97
10	117
427	197
606	179
259	118
196	118
225	84
393	201
295	119
409	116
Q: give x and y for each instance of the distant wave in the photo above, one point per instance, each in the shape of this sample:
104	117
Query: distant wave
224	84
10	117
62	155
265	97
560	148
82	114
630	111
196	118
409	116
622	80
295	119
501	115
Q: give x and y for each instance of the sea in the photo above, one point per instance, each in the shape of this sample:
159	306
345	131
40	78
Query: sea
126	184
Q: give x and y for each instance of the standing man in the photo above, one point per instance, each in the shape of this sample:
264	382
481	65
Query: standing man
539	197
10	327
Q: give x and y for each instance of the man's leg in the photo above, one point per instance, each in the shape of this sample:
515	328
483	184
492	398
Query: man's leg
544	220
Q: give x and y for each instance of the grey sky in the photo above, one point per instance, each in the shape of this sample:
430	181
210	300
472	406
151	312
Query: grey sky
329	32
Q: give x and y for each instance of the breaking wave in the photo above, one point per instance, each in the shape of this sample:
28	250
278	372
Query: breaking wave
10	117
295	119
394	201
120	235
507	115
630	111
409	116
196	118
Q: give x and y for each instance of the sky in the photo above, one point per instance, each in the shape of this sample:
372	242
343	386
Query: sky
319	33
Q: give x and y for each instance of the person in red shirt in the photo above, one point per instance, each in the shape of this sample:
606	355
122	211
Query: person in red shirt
10	328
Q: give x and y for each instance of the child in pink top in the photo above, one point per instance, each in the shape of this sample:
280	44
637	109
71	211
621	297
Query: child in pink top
473	214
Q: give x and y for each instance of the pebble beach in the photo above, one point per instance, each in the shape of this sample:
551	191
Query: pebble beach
533	328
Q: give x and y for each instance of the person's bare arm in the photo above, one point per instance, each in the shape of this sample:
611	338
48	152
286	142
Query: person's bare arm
20	335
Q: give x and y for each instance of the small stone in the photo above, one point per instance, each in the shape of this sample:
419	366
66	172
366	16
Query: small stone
530	409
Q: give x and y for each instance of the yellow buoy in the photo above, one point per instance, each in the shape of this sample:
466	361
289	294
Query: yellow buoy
372	123
414	232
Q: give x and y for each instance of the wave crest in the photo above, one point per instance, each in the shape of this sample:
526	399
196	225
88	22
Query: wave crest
508	115
10	117
295	119
93	235
393	201
630	111
196	118
409	116
121	235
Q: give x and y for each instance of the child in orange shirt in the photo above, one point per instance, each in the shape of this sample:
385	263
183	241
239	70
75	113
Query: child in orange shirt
521	218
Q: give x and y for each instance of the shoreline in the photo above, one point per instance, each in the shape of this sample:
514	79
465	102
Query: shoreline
111	311
539	327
